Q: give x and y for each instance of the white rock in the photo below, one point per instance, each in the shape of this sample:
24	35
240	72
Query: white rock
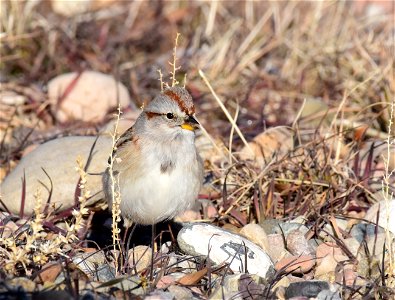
12	98
386	214
69	8
222	246
58	159
89	99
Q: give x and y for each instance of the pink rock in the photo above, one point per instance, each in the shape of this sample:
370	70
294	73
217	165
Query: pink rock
347	274
329	249
165	281
326	268
296	264
188	216
277	249
211	212
87	97
297	244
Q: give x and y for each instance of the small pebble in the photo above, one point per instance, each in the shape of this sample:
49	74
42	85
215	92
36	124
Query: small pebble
165	281
159	295
211	212
277	249
296	264
305	289
256	234
297	244
188	216
139	258
180	293
329	249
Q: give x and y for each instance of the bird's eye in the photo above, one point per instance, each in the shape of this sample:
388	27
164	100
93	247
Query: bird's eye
169	116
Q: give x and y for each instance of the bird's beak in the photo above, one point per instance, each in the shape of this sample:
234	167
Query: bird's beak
190	123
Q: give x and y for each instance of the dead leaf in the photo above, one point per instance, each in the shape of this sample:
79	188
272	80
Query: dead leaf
193	278
359	132
50	272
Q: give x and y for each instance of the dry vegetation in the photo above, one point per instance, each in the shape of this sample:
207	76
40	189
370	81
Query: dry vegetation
265	62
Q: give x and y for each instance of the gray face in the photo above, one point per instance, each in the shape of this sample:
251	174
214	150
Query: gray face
171	111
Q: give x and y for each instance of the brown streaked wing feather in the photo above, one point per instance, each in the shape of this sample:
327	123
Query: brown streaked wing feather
127	136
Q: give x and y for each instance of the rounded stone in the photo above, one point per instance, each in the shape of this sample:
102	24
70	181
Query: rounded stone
87	96
139	258
297	244
256	234
221	246
52	166
328	249
277	249
296	264
306	288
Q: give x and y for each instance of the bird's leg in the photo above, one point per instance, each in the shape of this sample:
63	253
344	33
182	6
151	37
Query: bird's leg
127	245
173	239
153	252
127	224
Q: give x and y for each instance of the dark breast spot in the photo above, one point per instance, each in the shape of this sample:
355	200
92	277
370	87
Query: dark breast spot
166	167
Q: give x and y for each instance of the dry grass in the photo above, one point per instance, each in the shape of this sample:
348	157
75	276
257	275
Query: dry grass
27	246
251	66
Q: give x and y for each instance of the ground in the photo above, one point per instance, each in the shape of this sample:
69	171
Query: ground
296	102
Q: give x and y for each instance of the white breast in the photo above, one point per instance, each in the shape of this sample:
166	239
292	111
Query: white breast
158	195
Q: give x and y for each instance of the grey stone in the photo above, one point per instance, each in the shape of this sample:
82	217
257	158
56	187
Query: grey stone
238	286
314	243
126	283
341	223
328	295
95	266
273	226
370	257
361	231
306	288
353	245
